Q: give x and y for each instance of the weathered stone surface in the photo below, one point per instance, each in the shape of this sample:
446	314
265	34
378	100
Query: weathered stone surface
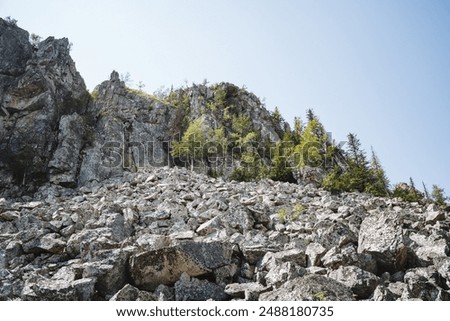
192	289
442	265
63	166
310	288
47	244
131	293
334	234
314	253
135	230
108	267
15	49
165	266
425	284
279	274
426	248
381	235
391	292
272	260
63	286
361	282
433	217
245	290
37	88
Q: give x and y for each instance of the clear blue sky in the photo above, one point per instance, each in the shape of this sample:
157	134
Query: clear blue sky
380	69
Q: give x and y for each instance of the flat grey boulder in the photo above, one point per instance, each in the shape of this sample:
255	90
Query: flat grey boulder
165	266
312	287
361	282
192	289
381	235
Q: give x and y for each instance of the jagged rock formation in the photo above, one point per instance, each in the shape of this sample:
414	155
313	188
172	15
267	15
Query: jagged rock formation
172	234
39	89
92	210
52	130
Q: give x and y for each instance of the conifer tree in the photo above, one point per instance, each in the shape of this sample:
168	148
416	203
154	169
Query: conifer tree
242	131
276	116
313	145
357	174
378	183
412	184
298	129
438	195
216	146
414	191
310	115
425	191
281	169
356	154
191	148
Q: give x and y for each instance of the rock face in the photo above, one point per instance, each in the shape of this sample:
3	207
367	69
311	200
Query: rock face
38	87
91	210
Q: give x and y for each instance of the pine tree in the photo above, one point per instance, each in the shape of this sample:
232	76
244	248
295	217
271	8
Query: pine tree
438	195
414	191
276	116
310	115
298	129
378	183
356	154
281	169
191	148
334	181
251	167
411	183
357	174
425	190
242	130
217	145
313	145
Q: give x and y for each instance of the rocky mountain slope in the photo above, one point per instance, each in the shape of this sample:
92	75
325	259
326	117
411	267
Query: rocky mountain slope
172	234
92	207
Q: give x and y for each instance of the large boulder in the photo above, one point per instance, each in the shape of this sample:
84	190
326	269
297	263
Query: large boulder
426	284
192	289
361	282
165	266
63	286
381	235
310	288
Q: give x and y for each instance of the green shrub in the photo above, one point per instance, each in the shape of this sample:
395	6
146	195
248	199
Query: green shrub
282	214
297	211
320	296
406	193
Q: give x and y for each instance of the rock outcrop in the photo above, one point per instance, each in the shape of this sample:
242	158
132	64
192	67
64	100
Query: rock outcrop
53	130
41	95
